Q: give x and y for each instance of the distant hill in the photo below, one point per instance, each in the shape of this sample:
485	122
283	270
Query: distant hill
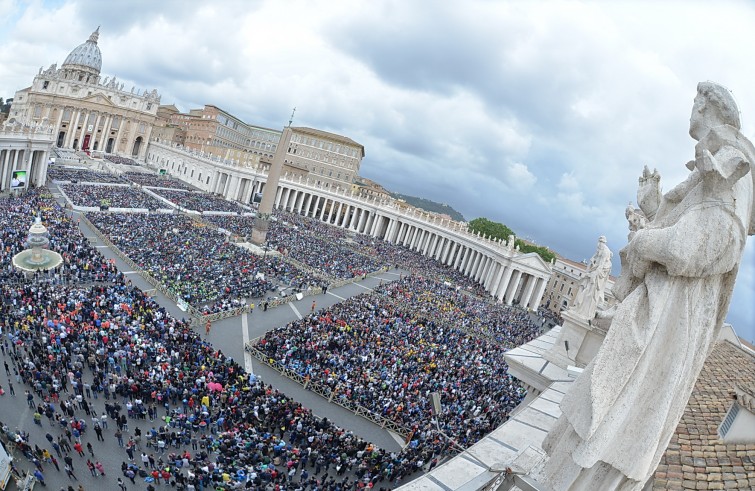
429	205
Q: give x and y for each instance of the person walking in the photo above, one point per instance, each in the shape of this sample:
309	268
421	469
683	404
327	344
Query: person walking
100	468
40	477
98	431
69	471
131	475
121	484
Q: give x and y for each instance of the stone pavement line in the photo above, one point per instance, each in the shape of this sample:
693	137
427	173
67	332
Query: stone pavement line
337	296
245	335
296	311
362	286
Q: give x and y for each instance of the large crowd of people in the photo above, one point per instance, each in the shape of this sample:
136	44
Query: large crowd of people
111	196
81	263
117	159
199	201
68	174
387	351
157	181
195	261
108	359
94	348
311	242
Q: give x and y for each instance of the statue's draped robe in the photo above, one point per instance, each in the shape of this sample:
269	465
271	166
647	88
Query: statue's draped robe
621	413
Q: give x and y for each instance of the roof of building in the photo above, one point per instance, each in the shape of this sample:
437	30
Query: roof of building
87	54
696	457
329	136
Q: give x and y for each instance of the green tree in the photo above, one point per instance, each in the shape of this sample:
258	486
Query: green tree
543	252
489	228
497	230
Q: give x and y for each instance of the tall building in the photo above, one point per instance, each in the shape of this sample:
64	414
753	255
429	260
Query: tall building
564	284
166	131
217	132
88	111
332	160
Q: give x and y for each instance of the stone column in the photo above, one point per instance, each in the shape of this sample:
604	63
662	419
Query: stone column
473	263
476	266
459	254
539	291
308	204
513	287
482	269
464	268
84	127
4	164
278	196
302	200
526	296
68	140
490	275
93	140
322	209
56	131
453	246
121	124
374	224
503	286
362	220
496	280
338	214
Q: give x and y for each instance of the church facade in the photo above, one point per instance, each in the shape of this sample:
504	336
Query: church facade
86	110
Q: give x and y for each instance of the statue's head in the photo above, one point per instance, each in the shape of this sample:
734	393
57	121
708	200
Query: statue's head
714	106
602	239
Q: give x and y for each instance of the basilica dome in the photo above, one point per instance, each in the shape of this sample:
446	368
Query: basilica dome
86	55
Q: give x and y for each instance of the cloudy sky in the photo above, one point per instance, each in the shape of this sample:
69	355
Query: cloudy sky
536	114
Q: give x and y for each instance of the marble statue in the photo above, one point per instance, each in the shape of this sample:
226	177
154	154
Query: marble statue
511	242
635	218
674	289
592	288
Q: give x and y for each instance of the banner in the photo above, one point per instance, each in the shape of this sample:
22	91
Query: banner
18	179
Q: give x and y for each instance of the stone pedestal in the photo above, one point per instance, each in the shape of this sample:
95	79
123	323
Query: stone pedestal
259	231
582	338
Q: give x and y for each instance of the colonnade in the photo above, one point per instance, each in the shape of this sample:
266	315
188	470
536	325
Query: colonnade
507	275
24	148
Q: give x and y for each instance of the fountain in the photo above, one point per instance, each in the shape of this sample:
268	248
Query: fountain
38	257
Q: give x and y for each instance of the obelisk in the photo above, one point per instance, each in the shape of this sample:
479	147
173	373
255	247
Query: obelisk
261	223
